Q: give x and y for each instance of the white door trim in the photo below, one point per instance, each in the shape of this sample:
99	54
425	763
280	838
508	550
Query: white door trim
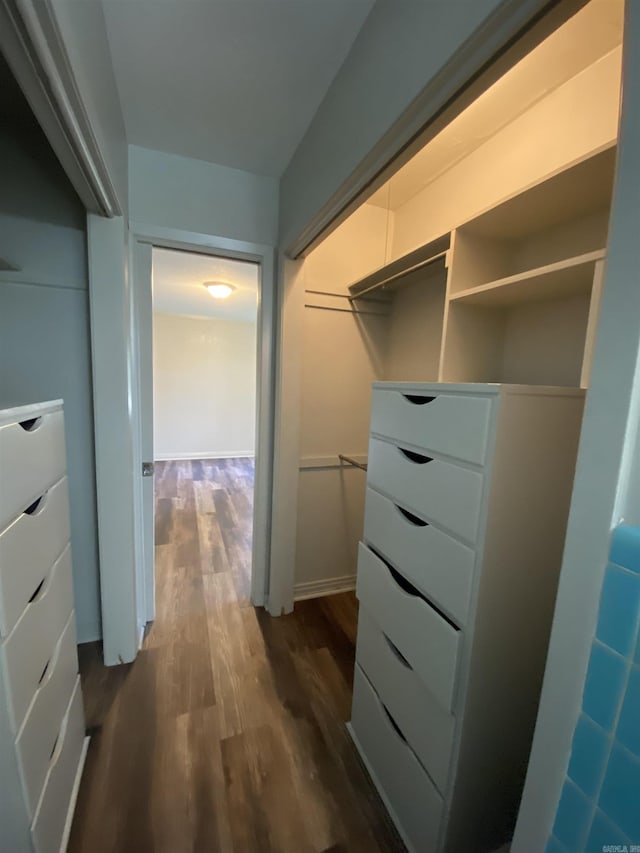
140	266
173	238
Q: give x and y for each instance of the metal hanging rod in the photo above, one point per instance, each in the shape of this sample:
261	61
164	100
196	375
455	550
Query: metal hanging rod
354	462
344	310
394	271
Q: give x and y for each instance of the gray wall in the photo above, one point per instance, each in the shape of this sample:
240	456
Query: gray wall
44	321
84	33
177	192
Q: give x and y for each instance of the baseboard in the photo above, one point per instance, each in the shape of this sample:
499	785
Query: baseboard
205	454
327	586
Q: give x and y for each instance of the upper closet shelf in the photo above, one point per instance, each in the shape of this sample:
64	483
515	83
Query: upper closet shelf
571	193
392	272
560	280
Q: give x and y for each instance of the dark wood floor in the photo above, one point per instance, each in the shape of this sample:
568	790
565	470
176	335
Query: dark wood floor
227	733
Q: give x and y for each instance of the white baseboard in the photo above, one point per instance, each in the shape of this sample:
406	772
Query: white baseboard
205	454
326	586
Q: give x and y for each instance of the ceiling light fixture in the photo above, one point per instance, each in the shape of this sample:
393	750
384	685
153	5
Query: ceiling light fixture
219	289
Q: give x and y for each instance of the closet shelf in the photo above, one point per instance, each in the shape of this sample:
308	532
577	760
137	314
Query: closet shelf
560	280
391	273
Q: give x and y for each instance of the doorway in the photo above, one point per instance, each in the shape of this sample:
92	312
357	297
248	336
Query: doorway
187	261
204	416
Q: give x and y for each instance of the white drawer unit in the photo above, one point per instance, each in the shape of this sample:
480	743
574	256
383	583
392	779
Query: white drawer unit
32	457
410	796
440	566
28	649
39	733
42	738
466	508
433	419
440	492
419	632
28	548
52	811
427	727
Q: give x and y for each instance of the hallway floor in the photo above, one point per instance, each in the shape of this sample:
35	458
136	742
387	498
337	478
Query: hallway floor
227	733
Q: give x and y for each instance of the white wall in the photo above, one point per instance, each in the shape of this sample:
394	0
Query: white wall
568	124
204	387
191	195
45	351
601	476
400	49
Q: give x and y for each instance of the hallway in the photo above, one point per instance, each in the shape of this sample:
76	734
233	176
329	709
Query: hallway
227	733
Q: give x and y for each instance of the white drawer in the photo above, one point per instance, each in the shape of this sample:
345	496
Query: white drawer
440	492
29	647
425	724
53	809
31	460
440	566
447	424
28	549
412	798
428	642
41	727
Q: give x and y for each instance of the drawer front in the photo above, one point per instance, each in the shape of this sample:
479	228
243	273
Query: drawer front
425	724
447	424
29	647
30	461
415	803
28	549
428	642
438	565
41	727
51	815
440	492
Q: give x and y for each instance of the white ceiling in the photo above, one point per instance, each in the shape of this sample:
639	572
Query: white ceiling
591	34
234	82
178	285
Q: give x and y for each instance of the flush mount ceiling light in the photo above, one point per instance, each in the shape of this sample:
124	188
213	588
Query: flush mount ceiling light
219	289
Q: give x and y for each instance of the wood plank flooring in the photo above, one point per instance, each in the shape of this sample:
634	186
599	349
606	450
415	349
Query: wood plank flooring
227	733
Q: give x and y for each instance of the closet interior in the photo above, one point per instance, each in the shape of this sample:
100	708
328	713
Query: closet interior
480	260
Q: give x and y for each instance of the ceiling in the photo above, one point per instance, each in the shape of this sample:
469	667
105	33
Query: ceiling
234	82
589	35
178	285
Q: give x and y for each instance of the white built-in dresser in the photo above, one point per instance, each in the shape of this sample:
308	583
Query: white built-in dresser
42	732
468	492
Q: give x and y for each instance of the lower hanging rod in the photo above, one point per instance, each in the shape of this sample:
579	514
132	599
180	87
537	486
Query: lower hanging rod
354	462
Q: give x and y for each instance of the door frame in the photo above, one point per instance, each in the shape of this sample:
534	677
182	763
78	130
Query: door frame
264	257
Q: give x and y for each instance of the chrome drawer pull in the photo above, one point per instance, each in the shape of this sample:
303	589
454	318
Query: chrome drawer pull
418	458
31	424
418	399
396	651
413	519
